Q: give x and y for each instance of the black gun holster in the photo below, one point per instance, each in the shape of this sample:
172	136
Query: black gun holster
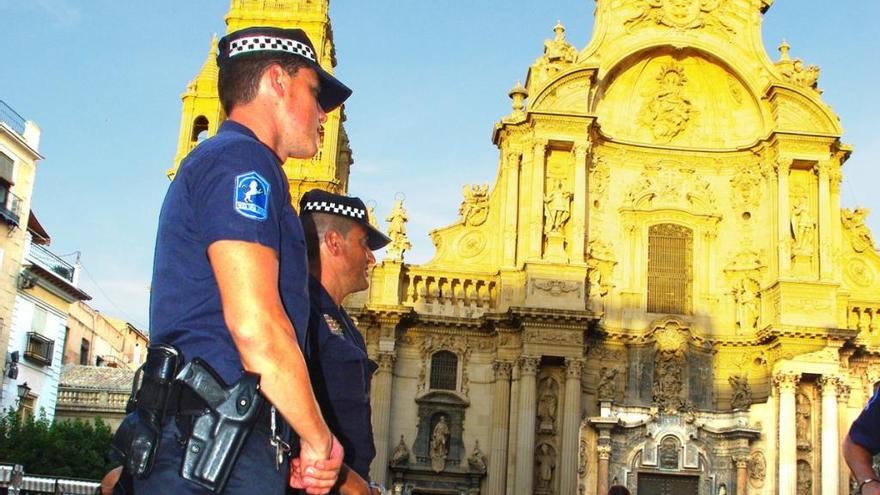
137	439
217	436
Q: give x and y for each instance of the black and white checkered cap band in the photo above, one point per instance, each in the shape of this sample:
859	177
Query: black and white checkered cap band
336	208
264	43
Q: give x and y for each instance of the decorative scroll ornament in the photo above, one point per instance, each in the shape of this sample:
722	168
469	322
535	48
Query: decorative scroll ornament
681	14
667	111
397	232
474	209
860	234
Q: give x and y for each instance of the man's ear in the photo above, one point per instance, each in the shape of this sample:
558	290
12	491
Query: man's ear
333	241
276	78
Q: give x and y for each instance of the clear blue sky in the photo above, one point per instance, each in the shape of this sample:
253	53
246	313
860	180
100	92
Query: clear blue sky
102	78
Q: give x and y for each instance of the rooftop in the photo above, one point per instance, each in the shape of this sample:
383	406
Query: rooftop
96	377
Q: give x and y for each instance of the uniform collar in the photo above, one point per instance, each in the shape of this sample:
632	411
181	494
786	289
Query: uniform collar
238	128
320	295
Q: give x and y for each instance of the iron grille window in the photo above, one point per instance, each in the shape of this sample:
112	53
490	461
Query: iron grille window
39	348
444	371
84	352
669	269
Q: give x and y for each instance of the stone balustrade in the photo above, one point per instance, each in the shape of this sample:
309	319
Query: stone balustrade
424	288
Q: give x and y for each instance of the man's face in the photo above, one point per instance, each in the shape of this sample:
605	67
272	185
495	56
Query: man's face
302	123
357	259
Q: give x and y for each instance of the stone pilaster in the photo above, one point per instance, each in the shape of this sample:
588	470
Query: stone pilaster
604	454
536	243
742	474
783	220
511	207
579	204
830	438
786	385
380	402
843	392
825	225
500	417
525	445
570	421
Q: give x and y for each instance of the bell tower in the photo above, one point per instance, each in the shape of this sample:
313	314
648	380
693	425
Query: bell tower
202	112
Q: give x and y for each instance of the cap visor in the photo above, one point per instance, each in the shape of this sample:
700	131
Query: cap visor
333	92
376	239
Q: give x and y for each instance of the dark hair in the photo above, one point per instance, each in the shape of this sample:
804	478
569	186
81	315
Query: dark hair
239	77
618	490
315	225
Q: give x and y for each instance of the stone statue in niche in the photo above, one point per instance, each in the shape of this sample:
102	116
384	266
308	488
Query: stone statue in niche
667	111
742	392
474	207
746	295
803	413
546	464
668	385
804	478
606	388
439	449
400	456
477	460
547	403
803	227
557	208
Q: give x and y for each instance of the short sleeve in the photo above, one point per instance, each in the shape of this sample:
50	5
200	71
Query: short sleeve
865	430
238	196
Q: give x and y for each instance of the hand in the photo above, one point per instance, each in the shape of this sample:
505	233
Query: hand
315	473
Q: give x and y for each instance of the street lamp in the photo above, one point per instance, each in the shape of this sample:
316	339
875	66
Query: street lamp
23	391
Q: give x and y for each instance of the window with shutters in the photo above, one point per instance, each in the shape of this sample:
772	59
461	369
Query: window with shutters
444	371
669	269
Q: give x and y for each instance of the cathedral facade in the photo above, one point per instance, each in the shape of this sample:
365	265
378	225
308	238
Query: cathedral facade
660	289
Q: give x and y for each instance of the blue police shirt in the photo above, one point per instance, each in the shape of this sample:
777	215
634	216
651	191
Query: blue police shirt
865	430
341	373
230	187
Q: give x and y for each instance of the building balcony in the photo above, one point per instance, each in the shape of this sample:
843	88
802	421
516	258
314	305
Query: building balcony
11	118
10	209
48	260
39	349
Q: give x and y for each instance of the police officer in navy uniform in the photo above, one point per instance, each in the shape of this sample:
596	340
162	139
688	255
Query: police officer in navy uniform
862	444
340	242
230	276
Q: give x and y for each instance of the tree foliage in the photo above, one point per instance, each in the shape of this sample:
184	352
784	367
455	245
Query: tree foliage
74	449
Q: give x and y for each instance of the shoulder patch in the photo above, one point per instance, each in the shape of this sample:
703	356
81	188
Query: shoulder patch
252	196
335	327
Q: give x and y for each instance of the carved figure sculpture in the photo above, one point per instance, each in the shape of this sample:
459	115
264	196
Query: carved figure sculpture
546	459
742	392
439	451
667	112
400	456
477	460
803	227
606	387
757	468
804	478
746	296
397	232
668	385
556	209
474	207
547	403
854	221
803	413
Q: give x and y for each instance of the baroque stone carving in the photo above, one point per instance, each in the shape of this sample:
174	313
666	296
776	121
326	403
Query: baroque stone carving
745	186
545	462
681	14
439	440
667	111
747	297
607	389
397	232
558	54
474	209
803	227
477	460
803	416
860	234
555	288
548	401
672	185
400	456
757	468
793	70
460	346
804	478
600	174
557	208
742	392
667	453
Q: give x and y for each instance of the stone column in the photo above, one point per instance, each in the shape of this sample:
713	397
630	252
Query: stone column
825	225
604	454
511	208
786	384
579	204
380	403
500	417
783	220
742	474
830	438
571	417
536	228
525	445
843	423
